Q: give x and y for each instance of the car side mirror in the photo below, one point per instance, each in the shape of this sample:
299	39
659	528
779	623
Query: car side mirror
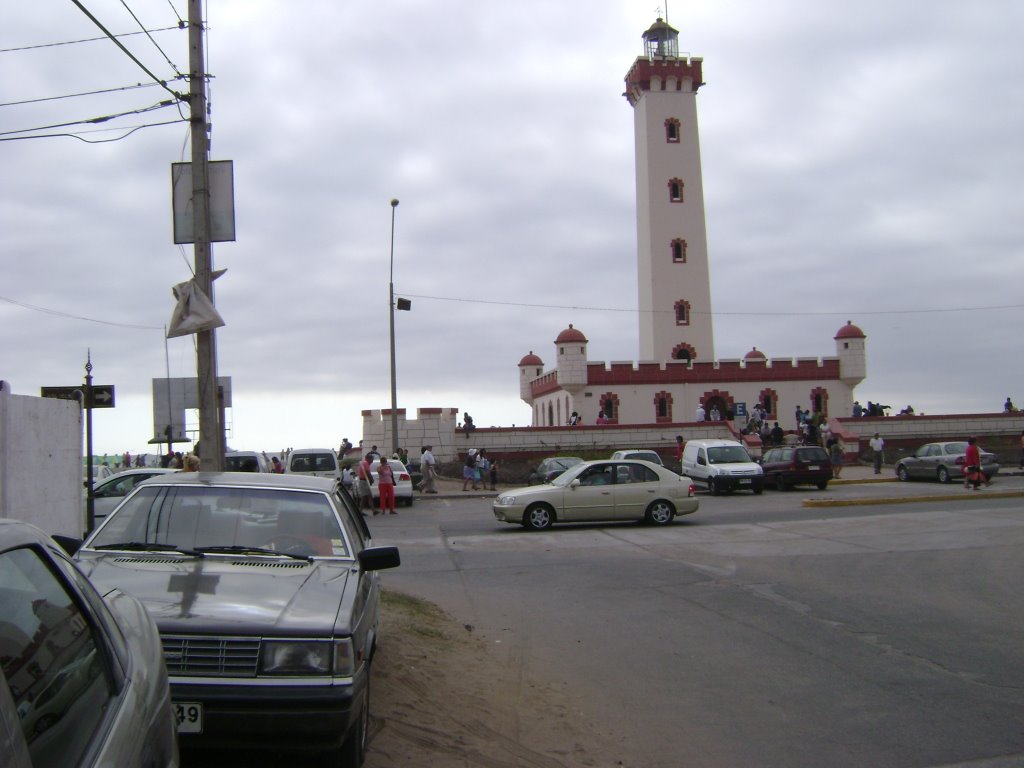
575	483
379	558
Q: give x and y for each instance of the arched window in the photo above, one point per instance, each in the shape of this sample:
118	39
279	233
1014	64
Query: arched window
684	351
663	407
675	190
682	312
672	130
679	251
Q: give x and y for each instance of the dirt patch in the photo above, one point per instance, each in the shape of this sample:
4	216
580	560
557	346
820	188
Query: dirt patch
442	697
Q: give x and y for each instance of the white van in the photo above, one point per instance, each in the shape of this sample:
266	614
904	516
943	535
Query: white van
318	462
722	465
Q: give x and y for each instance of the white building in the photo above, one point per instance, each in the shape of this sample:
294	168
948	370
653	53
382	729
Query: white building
676	334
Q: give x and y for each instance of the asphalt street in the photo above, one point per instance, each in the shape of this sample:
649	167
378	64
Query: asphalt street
844	627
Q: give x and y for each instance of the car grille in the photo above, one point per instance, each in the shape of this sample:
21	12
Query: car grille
211	656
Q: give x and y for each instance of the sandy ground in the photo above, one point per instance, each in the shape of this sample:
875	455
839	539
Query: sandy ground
441	698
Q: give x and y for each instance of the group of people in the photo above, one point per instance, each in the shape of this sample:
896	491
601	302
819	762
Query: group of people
363	481
479	469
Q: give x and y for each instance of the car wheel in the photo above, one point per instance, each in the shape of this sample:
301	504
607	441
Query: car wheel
822	485
660	513
758	489
902	474
944	475
712	486
782	483
539	517
353	750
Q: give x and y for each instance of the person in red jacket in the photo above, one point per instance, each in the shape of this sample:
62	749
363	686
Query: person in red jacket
972	464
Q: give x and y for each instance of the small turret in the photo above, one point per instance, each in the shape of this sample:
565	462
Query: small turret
850	349
530	367
571	347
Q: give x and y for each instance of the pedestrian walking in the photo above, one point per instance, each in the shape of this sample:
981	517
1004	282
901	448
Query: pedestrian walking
972	465
469	470
364	479
427	469
835	455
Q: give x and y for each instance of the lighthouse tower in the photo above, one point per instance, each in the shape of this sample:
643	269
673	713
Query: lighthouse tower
673	275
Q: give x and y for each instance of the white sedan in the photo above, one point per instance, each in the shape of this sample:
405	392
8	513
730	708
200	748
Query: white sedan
600	491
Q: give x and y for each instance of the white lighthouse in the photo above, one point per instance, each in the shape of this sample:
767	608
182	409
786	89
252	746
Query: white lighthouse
672	254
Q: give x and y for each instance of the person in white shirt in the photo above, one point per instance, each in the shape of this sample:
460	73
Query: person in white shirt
427	463
877	445
700	413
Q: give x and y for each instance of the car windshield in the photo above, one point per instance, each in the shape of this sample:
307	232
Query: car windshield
727	454
811	454
197	517
312	462
569	475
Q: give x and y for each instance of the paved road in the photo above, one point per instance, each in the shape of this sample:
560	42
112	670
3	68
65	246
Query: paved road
758	632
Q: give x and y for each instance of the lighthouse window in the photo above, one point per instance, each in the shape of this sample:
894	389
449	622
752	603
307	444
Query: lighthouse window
679	250
672	131
675	190
682	313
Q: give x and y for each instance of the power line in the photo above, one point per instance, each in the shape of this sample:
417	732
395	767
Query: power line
155	45
129	130
92	120
85	40
838	313
76	95
129	54
58	313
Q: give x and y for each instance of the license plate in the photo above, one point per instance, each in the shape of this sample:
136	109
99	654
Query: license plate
189	716
744	482
814	467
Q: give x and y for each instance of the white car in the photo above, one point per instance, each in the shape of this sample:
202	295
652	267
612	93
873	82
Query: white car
601	491
403	483
109	493
315	462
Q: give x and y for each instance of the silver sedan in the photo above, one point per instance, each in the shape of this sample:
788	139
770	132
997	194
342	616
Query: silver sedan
600	491
942	462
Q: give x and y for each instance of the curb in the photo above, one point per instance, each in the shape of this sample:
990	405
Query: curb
910	499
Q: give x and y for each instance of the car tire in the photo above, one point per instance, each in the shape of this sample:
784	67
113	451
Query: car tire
782	483
659	512
943	475
538	517
902	473
712	486
822	485
758	489
353	750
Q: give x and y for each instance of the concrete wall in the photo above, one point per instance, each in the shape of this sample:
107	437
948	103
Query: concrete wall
41	462
515	448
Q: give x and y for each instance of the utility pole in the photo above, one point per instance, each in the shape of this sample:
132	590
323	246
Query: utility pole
211	429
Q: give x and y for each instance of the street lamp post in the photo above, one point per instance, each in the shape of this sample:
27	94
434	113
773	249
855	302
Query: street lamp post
391	305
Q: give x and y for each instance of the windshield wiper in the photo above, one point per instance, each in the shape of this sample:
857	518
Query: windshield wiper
143	546
244	550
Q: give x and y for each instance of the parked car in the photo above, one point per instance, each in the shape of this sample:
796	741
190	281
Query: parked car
552	467
797	465
266	593
111	492
403	482
942	462
722	465
316	462
100	472
82	676
651	456
245	461
600	491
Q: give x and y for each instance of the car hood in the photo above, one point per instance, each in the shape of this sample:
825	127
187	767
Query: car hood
529	491
229	595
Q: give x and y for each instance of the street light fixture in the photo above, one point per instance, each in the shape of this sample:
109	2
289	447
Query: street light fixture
391	305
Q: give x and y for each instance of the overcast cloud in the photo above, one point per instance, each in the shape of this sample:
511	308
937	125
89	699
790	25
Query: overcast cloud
861	162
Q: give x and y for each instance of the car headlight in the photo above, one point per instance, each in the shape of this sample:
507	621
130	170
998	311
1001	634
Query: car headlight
307	657
505	501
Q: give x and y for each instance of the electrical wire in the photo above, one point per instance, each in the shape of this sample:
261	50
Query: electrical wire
129	131
92	120
129	54
76	95
85	40
58	313
155	45
843	313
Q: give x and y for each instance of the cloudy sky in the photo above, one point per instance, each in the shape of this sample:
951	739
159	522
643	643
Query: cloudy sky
862	161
